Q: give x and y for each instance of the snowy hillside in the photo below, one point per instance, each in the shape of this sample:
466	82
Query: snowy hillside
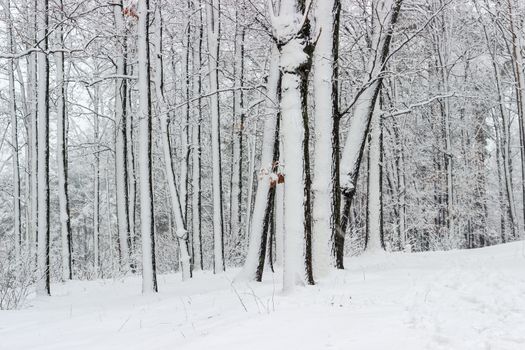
443	300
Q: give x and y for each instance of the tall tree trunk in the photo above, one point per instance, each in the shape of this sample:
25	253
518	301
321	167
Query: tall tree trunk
43	286
196	154
185	137
32	92
132	182
442	57
63	195
149	275
176	205
252	269
517	63
385	18
96	182
374	239
121	156
213	26
238	133
296	56
325	185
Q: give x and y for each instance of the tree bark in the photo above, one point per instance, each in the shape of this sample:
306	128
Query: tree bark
325	185
252	269
149	275
213	26
62	174
43	286
121	140
296	50
386	14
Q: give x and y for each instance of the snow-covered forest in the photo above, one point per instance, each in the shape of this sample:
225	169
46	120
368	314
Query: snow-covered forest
262	156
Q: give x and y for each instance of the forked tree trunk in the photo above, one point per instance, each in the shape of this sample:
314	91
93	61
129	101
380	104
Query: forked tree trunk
296	55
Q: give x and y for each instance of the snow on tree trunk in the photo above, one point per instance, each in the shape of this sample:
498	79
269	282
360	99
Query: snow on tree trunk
132	183
252	149
279	216
255	251
63	195
96	180
443	61
121	171
196	199
518	65
325	178
374	215
212	16
502	139
43	285
149	276
238	133
176	206
196	155
185	138
385	17
291	30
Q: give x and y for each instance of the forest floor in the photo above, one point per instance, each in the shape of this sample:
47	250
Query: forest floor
441	300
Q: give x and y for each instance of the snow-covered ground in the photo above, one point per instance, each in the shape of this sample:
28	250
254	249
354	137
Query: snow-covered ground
444	300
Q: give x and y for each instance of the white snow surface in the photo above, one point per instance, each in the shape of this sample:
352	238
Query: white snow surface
443	300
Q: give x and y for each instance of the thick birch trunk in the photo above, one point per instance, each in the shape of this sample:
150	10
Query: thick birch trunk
296	50
325	183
